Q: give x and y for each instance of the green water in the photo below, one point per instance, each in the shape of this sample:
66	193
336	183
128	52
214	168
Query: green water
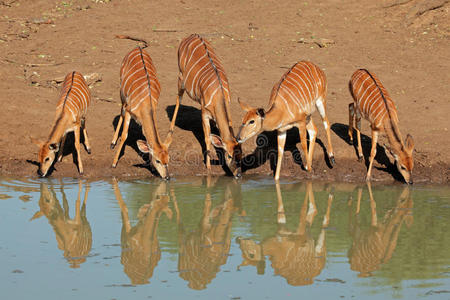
218	238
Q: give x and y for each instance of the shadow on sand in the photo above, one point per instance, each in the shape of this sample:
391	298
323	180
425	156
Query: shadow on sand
381	158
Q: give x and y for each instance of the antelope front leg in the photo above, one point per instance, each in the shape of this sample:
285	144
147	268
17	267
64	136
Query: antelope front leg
281	217
302	129
373	207
77	133
123	138
207	132
116	133
321	107
281	142
61	148
177	106
312	131
86	140
351	121
358	133
373	152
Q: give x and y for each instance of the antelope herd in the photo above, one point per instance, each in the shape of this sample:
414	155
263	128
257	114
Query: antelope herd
300	91
297	250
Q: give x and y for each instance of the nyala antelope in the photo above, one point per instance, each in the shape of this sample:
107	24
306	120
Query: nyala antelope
70	116
140	245
372	101
374	246
205	249
203	77
295	255
294	98
73	236
139	93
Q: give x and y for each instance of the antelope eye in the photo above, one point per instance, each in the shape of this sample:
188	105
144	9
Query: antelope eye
47	159
402	167
229	156
158	161
251	122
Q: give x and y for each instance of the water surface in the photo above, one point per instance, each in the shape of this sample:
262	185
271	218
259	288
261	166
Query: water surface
205	238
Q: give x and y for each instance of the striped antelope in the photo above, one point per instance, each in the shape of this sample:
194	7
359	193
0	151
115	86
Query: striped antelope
294	254
139	92
374	103
203	77
374	246
73	236
70	116
140	245
294	98
205	249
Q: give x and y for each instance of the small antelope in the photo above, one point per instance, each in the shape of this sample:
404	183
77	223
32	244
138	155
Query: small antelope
203	77
374	246
205	249
74	236
294	98
295	255
139	93
140	246
374	103
70	116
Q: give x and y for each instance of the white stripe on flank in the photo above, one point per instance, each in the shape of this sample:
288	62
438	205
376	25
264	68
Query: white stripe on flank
192	66
293	98
287	105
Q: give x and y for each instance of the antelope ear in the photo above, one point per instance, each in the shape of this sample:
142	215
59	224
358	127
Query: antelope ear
54	146
409	143
144	147
217	141
260	112
37	215
36	142
244	105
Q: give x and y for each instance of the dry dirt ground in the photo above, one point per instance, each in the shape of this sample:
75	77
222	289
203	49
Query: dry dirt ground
404	42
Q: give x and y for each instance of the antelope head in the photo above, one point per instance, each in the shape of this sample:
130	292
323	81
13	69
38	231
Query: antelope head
233	153
404	160
159	156
252	254
47	204
46	156
251	123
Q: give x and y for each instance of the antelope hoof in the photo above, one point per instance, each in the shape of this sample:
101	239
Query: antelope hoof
88	151
332	160
360	158
114	165
112	146
350	142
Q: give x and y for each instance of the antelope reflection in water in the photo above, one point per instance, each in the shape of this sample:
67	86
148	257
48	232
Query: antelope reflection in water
295	255
375	245
204	250
73	236
140	245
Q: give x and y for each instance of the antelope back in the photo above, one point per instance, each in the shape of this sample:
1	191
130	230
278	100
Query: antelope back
203	74
371	98
75	96
299	88
138	81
